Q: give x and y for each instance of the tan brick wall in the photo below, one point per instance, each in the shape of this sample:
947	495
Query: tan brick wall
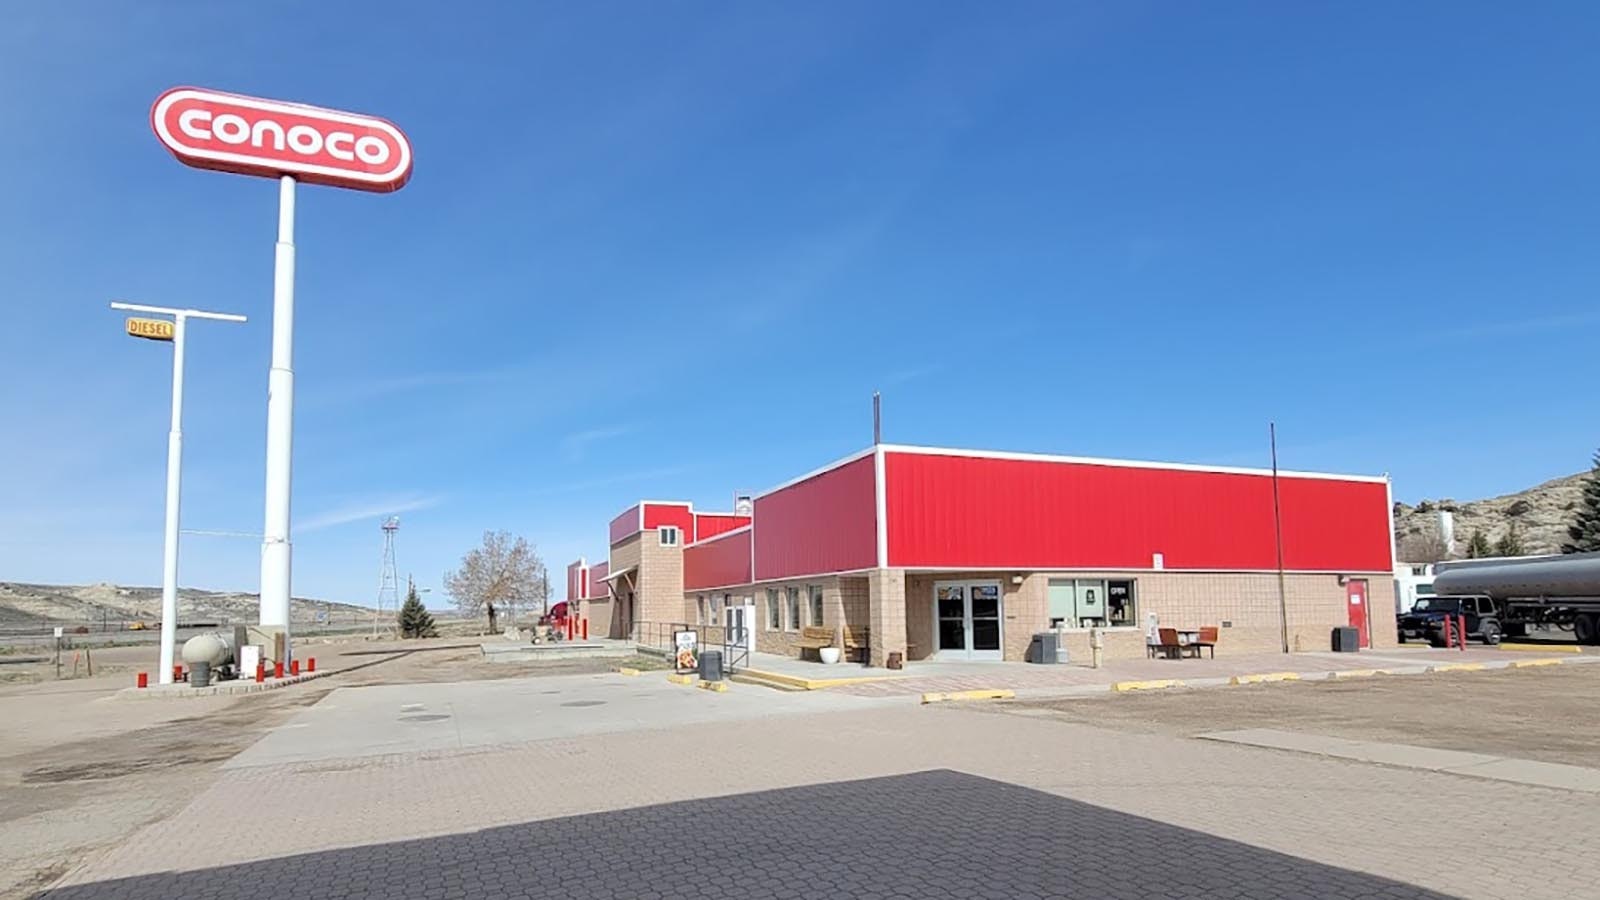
844	601
598	612
886	613
622	556
1249	601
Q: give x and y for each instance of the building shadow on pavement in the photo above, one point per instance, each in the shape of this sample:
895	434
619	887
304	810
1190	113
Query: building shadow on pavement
935	834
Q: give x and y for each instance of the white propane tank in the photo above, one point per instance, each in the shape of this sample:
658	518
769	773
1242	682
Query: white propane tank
213	647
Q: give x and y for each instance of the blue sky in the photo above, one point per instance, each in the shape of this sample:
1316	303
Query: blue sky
668	250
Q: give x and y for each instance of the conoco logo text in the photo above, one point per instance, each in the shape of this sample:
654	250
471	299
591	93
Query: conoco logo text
213	130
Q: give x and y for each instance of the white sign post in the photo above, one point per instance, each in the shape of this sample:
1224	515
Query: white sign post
275	547
169	550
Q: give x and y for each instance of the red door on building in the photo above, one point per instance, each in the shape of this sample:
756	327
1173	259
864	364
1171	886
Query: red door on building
1355	596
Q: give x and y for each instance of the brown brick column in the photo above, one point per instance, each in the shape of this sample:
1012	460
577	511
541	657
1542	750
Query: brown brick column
886	613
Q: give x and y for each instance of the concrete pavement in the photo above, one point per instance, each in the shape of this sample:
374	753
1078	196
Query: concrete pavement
669	800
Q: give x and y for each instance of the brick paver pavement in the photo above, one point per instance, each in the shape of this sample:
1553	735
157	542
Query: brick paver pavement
1041	808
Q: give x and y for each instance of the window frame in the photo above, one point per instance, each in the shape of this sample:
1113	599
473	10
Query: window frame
816	605
774	610
791	608
664	530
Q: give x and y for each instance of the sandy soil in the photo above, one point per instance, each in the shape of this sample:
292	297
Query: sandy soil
1542	713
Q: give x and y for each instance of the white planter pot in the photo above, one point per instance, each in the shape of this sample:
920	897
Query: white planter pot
829	655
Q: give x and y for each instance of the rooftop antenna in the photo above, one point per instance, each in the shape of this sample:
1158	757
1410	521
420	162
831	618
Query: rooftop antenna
389	579
877	419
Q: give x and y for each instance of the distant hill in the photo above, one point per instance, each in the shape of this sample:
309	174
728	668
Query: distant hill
38	605
1541	515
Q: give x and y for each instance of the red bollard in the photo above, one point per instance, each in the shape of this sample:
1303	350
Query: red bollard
144	680
569	629
1461	631
311	664
586	629
294	667
177	673
261	672
277	669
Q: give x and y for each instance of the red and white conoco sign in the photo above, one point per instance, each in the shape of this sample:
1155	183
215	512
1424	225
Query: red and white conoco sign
252	136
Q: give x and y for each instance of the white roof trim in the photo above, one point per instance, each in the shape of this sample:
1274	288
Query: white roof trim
1123	463
815	472
717	537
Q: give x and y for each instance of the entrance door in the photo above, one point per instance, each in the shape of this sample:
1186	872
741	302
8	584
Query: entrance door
1355	595
967	620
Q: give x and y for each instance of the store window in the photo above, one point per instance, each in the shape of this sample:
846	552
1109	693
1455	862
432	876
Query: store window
774	611
815	592
793	596
700	609
1092	602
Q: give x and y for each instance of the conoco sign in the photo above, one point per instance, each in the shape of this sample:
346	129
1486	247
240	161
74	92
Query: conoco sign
252	136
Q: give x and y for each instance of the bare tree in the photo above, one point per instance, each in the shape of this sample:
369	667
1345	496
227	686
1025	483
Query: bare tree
502	572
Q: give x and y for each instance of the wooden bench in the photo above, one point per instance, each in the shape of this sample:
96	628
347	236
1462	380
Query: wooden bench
814	639
855	639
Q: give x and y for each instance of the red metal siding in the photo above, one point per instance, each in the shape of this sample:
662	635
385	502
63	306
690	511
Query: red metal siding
709	525
625	525
598	585
826	523
718	563
955	512
659	514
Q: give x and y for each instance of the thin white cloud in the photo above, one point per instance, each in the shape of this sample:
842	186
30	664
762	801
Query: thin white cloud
374	509
576	445
610	481
1514	327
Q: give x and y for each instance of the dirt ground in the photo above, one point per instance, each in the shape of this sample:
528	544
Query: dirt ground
81	767
1538	713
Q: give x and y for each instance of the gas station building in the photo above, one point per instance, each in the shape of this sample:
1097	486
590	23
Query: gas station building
938	553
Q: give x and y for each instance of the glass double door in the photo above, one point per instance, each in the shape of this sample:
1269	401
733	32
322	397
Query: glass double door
966	620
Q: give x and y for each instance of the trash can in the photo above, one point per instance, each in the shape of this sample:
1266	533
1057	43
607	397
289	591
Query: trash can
200	674
1346	639
711	665
1045	648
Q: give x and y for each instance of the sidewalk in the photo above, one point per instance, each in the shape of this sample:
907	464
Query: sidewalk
1037	681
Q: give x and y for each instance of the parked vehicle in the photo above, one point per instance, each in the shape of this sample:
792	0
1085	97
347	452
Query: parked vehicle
1544	591
1426	620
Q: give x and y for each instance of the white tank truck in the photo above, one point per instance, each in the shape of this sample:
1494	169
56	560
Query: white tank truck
1509	596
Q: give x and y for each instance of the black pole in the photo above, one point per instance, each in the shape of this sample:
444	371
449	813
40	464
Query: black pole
1277	527
877	418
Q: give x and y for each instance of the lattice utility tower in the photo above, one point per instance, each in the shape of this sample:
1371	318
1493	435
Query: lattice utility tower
389	580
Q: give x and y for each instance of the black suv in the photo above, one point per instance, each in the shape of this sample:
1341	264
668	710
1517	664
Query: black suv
1426	619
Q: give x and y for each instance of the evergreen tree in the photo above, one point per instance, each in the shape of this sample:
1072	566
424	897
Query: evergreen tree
415	620
1510	543
1585	528
1478	547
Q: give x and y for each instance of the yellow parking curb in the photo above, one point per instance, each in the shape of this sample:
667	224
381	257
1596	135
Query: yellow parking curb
1354	673
937	697
1543	648
1264	677
715	686
625	670
1531	663
797	683
681	679
1155	685
1457	667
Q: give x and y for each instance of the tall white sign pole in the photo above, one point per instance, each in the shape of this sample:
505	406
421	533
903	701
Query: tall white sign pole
275	546
169	551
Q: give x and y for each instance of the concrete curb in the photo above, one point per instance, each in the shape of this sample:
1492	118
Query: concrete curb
217	688
1151	685
680	679
945	697
1264	678
796	683
1543	648
716	687
626	670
